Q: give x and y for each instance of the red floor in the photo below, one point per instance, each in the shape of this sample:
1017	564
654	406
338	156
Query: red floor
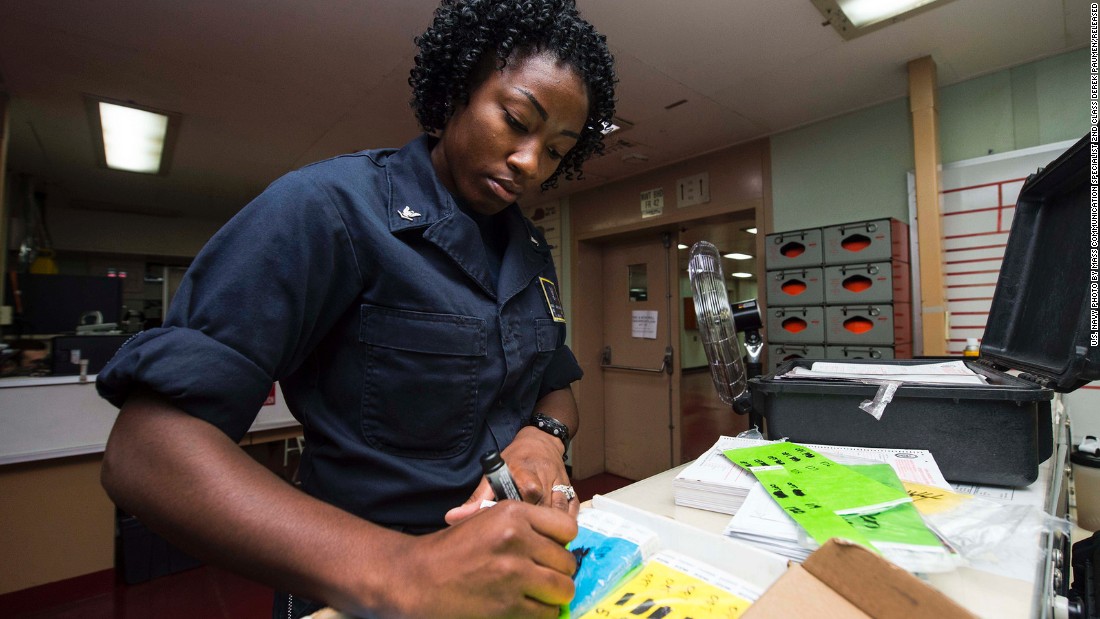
703	415
212	593
200	593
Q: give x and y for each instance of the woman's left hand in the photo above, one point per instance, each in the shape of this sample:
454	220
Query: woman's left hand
535	460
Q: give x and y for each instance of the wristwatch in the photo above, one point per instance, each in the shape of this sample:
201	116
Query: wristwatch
553	427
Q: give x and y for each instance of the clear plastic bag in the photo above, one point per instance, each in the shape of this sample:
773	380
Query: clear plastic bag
753	433
997	538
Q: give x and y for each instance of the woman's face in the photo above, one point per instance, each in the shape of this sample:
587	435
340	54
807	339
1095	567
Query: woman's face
513	133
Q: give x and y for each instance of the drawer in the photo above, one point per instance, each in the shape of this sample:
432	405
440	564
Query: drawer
797	286
802	325
878	282
797	248
878	325
877	240
856	351
780	353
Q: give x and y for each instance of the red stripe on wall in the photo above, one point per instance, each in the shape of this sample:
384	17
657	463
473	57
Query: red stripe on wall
1004	182
1001	246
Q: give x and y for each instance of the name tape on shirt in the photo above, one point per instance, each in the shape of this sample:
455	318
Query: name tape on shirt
553	300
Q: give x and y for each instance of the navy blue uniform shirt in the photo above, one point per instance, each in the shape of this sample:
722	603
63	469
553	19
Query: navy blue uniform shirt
361	287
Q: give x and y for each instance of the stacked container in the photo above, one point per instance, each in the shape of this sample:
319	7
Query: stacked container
795	290
840	292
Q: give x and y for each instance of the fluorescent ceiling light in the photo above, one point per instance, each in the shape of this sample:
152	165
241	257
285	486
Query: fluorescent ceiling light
681	246
741	275
750	230
852	18
131	137
737	256
866	12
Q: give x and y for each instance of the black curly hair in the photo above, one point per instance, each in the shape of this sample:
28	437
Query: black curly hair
453	47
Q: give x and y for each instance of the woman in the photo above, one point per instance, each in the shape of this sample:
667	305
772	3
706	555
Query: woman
410	314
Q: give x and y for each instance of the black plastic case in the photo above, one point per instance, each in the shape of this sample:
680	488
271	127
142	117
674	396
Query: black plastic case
1039	324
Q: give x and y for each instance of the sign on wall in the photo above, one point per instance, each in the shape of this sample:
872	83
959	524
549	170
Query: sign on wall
653	202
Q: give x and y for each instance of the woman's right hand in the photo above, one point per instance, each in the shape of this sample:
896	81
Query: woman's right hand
509	560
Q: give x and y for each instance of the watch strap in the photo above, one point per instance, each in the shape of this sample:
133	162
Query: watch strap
553	427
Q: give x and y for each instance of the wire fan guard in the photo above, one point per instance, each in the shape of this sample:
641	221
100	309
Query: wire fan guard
716	325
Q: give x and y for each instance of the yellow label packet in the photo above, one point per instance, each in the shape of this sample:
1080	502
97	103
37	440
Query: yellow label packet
932	500
673	586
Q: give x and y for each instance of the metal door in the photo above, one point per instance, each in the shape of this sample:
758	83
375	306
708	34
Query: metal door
641	436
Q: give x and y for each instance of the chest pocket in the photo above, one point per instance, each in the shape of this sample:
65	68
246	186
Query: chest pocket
420	380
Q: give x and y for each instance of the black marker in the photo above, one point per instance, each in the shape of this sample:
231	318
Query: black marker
500	480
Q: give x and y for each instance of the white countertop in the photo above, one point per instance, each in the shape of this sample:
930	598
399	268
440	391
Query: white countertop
60	416
41	381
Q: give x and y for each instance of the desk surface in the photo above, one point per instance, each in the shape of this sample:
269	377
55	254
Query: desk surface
983	593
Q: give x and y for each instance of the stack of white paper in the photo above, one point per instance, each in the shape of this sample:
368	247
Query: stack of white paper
714	483
762	523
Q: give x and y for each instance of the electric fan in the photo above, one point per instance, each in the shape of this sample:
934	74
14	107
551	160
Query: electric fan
717	327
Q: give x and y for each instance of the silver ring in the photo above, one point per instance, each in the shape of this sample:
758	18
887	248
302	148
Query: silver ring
568	491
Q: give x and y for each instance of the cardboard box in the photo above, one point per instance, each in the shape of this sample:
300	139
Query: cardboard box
842	580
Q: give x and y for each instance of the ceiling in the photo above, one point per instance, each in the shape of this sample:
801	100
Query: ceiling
265	86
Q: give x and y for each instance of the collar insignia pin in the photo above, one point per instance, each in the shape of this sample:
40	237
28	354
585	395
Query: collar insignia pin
408	214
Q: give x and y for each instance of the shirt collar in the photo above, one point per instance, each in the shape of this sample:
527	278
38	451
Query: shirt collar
417	197
418	200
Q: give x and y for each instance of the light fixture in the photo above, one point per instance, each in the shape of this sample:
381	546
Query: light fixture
130	137
749	230
742	275
736	256
851	18
615	124
681	246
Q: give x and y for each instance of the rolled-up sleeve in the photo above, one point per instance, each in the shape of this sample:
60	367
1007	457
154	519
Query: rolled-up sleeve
257	299
562	371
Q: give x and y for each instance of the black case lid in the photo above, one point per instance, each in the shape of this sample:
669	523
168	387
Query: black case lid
1039	321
